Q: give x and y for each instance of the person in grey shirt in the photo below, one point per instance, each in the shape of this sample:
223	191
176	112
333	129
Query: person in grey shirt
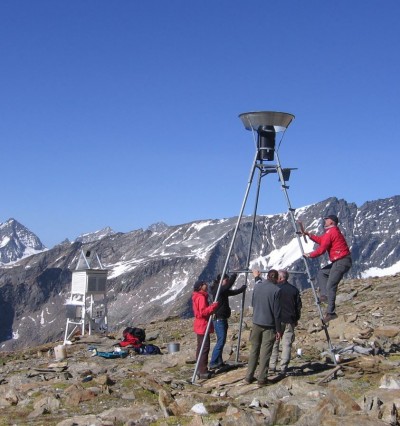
266	325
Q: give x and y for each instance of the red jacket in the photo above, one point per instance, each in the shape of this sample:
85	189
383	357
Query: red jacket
130	339
333	242
202	312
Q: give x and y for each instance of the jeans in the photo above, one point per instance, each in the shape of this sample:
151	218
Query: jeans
287	339
221	331
328	279
262	341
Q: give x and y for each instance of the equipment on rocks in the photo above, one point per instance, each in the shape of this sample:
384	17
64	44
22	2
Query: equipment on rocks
173	347
60	352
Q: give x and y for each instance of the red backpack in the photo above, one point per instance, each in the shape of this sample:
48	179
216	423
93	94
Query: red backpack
133	336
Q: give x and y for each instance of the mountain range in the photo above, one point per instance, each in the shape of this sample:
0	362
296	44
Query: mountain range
152	271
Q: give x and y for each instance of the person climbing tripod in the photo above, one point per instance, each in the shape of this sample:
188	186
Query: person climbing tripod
328	278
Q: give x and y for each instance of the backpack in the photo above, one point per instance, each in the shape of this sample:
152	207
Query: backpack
148	349
135	332
139	333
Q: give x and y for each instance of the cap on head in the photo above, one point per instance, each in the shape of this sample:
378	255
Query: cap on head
332	217
197	285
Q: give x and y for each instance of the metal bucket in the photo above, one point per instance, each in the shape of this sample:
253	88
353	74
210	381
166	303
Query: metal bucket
173	347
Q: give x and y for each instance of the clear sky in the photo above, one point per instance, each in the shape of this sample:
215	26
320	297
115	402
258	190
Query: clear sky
125	113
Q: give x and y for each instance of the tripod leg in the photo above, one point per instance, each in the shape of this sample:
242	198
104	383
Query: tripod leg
248	262
249	183
309	279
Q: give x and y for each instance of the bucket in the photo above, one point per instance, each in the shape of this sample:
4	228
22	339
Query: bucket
173	347
60	352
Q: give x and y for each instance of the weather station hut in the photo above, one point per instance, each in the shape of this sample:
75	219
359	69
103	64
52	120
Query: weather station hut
86	308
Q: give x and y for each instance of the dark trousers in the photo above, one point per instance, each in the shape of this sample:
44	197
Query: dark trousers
328	279
203	360
262	341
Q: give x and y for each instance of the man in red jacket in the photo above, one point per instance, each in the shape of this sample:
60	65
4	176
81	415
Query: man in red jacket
328	278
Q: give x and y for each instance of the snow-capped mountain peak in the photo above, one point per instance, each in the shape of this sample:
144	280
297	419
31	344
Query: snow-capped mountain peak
17	242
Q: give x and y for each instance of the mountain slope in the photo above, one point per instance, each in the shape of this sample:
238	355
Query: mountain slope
151	272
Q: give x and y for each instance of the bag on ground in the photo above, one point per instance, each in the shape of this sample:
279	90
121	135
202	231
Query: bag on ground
133	336
148	349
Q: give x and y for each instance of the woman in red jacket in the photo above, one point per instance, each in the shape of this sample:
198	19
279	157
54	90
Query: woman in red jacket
202	311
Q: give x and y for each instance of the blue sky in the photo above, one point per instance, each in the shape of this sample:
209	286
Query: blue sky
125	113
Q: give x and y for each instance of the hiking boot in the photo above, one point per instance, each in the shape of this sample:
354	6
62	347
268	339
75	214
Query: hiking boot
329	317
249	380
205	376
262	382
216	366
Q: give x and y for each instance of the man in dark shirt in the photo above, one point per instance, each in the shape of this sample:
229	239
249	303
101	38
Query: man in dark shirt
266	325
221	315
290	314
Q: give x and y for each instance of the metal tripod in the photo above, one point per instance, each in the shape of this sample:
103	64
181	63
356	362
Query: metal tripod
283	175
265	125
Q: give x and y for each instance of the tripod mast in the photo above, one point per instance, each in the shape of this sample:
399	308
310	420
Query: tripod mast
266	125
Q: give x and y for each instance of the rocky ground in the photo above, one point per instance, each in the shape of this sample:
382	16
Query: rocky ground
361	387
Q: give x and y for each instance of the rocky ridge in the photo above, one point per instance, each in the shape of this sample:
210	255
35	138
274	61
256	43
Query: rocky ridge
161	263
363	388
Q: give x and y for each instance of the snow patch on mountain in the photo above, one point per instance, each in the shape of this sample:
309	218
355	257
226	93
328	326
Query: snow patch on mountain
5	241
172	291
121	268
283	257
381	272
